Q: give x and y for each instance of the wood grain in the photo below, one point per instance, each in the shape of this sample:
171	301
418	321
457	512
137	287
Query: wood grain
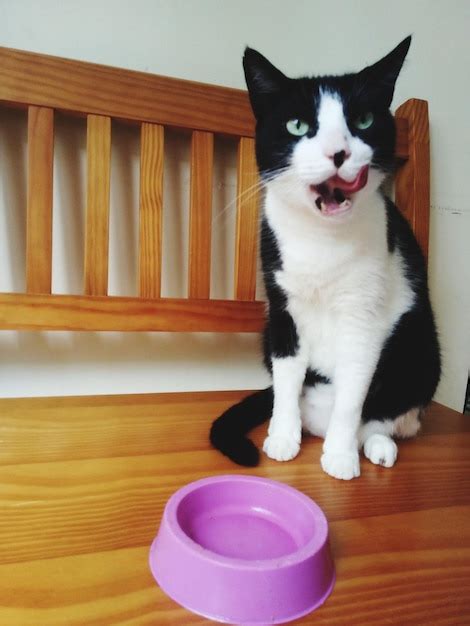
74	428
412	182
97	499
97	215
39	207
115	587
200	214
84	88
75	530
63	312
401	142
151	210
246	238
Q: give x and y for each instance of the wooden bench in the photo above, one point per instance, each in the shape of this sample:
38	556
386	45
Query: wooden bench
83	480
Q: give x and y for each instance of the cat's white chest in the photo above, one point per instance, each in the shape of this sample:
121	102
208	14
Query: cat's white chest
364	296
312	308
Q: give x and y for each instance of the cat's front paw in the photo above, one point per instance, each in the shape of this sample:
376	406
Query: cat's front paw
281	447
381	450
342	465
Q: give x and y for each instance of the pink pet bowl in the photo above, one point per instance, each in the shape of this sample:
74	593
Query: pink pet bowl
243	550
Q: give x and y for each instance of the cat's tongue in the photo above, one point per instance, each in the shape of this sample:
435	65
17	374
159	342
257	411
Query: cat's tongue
355	185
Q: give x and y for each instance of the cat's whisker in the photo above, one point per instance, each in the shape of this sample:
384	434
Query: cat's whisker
246	195
249	192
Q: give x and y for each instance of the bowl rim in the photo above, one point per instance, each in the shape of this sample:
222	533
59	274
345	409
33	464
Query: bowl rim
318	542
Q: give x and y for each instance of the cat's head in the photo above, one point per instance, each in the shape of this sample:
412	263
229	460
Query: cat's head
324	143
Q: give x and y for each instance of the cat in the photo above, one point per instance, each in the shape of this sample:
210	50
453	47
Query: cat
350	338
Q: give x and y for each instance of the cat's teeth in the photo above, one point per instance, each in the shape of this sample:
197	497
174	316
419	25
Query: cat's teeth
319	203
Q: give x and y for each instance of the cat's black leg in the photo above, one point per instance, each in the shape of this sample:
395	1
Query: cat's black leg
288	367
404	382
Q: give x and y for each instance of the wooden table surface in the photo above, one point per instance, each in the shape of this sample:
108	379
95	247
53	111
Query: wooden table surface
83	482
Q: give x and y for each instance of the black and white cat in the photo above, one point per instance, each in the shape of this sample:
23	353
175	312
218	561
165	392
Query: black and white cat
350	338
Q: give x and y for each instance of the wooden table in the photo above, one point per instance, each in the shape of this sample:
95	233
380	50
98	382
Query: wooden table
83	482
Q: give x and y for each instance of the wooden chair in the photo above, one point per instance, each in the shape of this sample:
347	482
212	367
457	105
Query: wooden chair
83	480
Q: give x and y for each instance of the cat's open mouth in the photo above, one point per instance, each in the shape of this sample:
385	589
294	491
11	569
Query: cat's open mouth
334	194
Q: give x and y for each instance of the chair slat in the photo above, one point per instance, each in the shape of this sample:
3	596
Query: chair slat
247	221
97	218
202	158
412	182
39	206
151	210
401	141
63	312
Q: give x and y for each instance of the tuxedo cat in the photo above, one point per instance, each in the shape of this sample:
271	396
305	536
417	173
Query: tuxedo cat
350	338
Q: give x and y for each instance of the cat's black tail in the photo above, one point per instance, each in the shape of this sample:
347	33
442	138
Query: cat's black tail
228	432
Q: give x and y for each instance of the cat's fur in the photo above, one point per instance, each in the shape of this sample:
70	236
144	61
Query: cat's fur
350	338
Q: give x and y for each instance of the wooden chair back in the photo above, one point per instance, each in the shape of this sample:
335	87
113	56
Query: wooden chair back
45	84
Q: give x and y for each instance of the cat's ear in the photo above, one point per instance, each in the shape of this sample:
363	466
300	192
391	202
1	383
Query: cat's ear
264	81
383	74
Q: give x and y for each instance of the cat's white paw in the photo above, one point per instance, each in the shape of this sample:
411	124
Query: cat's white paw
281	447
381	450
342	465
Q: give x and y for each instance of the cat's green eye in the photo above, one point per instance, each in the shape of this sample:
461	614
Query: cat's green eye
299	128
364	121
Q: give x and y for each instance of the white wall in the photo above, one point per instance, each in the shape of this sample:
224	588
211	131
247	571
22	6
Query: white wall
203	40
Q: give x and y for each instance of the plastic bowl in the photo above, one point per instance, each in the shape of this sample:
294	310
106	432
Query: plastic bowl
243	550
